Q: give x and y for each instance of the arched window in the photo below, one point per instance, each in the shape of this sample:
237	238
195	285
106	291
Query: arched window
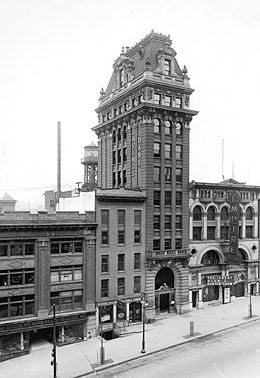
211	213
197	213
224	214
249	213
211	258
179	129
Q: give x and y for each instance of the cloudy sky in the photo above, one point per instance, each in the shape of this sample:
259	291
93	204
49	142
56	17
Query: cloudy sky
56	55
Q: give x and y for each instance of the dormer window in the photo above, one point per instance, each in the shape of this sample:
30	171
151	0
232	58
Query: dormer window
167	67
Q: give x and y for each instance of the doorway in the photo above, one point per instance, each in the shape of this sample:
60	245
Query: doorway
194	299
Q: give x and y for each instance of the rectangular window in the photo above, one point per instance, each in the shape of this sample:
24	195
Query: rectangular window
167	67
178	199
104	264
211	233
168	151
196	233
178	102
167	100
3	249
156	222
249	232
156	244
114	157
137	261
118	179
121	263
167	244
157	174
168	222
178	152
66	275
17	306
157	150
104	288
137	226
157	198
121	226
104	227
168	198
157	99
124	154
224	234
120	286
178	244
124	177
178	173
168	174
119	156
137	284
178	222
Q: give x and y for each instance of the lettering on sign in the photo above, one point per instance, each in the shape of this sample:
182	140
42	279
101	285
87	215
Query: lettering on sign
133	154
232	257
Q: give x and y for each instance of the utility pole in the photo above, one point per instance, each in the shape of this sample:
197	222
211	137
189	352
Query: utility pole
102	349
143	340
53	353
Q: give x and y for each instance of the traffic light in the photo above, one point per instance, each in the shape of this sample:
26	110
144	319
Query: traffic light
53	356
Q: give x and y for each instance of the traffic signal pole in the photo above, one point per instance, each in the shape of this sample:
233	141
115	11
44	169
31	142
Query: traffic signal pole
53	354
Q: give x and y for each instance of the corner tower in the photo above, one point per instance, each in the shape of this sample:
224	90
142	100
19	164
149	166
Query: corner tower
143	128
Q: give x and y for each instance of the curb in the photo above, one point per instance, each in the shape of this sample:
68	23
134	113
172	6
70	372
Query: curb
192	339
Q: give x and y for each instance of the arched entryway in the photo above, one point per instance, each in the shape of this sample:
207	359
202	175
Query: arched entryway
164	291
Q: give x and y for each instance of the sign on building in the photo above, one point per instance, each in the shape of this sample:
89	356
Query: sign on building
232	256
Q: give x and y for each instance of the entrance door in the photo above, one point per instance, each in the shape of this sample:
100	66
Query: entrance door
194	299
165	302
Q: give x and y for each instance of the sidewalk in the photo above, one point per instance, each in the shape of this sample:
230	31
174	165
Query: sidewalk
167	331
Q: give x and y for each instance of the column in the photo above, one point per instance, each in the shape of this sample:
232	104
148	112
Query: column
255	230
127	312
243	226
204	227
218	226
114	312
42	288
191	227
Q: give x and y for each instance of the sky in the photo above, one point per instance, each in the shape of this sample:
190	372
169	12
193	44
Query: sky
56	55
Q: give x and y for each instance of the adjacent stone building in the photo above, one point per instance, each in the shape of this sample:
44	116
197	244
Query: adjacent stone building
224	241
45	260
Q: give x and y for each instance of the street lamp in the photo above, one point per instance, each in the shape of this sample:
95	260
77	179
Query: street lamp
143	340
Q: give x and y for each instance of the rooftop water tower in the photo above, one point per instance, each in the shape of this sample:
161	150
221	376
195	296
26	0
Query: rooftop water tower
90	162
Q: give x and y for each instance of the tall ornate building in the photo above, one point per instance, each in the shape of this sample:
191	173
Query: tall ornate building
143	144
224	241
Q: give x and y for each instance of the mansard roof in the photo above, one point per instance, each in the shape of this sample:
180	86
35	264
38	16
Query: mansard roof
144	54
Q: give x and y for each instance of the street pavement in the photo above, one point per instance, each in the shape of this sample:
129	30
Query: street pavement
83	358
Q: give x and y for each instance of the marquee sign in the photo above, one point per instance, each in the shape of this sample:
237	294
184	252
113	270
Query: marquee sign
224	280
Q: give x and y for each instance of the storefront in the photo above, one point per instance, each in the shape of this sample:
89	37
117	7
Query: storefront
17	338
120	312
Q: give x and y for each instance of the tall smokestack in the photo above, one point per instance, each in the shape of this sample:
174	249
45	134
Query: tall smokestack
58	161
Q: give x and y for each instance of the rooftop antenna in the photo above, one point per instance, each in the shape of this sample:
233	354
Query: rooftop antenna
58	162
223	178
